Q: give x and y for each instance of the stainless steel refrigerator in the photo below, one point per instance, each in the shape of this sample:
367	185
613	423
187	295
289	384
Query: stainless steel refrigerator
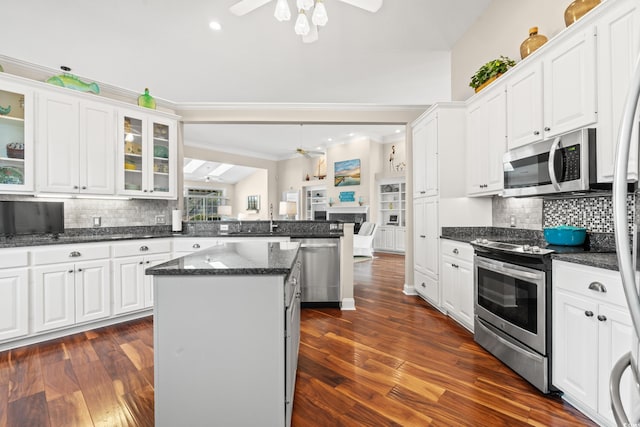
627	261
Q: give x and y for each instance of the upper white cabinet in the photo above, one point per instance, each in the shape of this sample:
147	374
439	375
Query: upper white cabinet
524	103
76	145
618	49
16	136
554	92
486	141
147	155
425	157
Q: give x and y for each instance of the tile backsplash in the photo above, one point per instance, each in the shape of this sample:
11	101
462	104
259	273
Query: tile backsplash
79	213
595	213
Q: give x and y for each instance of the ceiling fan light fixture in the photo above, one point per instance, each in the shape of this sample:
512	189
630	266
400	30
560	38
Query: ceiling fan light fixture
304	4
302	27
282	12
319	16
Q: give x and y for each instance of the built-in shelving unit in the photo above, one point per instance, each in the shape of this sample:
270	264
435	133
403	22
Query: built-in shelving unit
316	202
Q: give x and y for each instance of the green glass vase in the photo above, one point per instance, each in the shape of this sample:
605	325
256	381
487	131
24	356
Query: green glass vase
146	100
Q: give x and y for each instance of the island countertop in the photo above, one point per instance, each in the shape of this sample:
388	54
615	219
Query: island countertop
238	258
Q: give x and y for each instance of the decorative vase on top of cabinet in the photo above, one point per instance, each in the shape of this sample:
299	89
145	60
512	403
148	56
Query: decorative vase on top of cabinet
147	156
16	136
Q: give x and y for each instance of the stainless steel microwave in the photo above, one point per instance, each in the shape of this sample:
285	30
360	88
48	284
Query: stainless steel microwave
558	165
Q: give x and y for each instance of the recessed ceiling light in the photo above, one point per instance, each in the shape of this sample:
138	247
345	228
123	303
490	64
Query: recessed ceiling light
398	130
329	139
351	134
215	26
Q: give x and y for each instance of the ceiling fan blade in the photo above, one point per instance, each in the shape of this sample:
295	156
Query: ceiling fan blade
245	6
368	5
312	35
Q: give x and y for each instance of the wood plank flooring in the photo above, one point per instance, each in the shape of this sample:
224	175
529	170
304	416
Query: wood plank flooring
395	361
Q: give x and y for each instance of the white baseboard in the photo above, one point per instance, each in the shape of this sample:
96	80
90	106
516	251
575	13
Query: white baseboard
348	304
409	290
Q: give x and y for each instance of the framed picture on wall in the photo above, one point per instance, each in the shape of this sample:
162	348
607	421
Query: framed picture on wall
346	173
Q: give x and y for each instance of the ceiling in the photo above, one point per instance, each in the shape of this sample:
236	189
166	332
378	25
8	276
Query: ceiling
205	172
398	56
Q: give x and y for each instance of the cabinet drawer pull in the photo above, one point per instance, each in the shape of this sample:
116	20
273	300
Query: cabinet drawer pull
74	254
84	187
75	187
588	313
536	132
602	318
422	236
423	285
423	192
456	251
144	248
597	286
547	129
79	270
196	246
70	271
141	262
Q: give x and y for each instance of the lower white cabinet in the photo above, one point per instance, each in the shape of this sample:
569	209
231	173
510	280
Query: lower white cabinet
591	330
456	278
66	294
132	290
14	303
389	238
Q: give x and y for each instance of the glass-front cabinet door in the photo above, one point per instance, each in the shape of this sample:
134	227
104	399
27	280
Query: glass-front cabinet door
148	150
16	138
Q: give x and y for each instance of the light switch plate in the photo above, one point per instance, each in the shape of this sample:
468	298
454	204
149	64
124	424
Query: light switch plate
224	227
97	221
160	219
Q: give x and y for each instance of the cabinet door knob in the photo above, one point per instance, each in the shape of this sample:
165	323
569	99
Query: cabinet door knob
70	271
84	187
144	191
588	313
456	251
536	132
602	318
423	192
141	262
196	246
75	187
597	286
547	129
79	270
144	248
423	285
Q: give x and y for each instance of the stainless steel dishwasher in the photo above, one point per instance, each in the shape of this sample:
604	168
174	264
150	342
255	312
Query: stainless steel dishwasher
320	271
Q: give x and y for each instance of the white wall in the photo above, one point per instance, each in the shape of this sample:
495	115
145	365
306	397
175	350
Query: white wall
500	30
254	185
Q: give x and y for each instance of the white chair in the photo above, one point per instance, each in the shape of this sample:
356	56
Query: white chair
363	241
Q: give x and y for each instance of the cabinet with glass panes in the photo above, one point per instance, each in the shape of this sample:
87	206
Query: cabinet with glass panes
148	155
16	137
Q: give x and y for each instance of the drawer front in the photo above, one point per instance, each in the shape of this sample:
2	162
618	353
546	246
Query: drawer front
427	287
69	253
13	258
459	250
141	247
192	245
603	285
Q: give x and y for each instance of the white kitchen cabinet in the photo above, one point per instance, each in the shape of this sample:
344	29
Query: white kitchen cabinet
147	155
618	49
486	141
591	331
70	285
131	288
554	92
384	239
188	245
14	294
524	104
426	242
16	127
425	154
76	145
427	287
457	281
399	238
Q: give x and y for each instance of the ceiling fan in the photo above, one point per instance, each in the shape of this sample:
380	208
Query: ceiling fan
309	32
308	153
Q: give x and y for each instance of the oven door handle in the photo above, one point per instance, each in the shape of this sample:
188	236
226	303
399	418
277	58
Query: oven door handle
512	271
552	161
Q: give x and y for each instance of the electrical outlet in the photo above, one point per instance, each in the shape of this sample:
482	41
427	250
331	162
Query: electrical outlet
97	221
160	219
513	220
224	227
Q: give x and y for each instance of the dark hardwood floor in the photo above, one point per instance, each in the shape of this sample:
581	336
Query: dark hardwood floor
395	361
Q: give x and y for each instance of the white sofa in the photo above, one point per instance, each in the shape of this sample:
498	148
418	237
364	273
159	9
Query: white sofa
363	241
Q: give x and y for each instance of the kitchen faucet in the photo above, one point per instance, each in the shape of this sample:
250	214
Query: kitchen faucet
272	226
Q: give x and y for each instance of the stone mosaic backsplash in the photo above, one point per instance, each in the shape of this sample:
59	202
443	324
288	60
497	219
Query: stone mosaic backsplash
593	213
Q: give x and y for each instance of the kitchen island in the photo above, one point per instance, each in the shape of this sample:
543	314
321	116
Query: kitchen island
226	334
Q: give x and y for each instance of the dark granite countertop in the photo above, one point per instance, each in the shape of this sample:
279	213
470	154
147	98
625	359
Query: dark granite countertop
601	254
232	259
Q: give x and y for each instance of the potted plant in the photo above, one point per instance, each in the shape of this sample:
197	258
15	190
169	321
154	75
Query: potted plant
490	71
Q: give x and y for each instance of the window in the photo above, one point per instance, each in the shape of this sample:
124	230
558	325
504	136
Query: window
202	204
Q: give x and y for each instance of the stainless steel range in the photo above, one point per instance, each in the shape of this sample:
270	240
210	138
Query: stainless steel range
513	307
